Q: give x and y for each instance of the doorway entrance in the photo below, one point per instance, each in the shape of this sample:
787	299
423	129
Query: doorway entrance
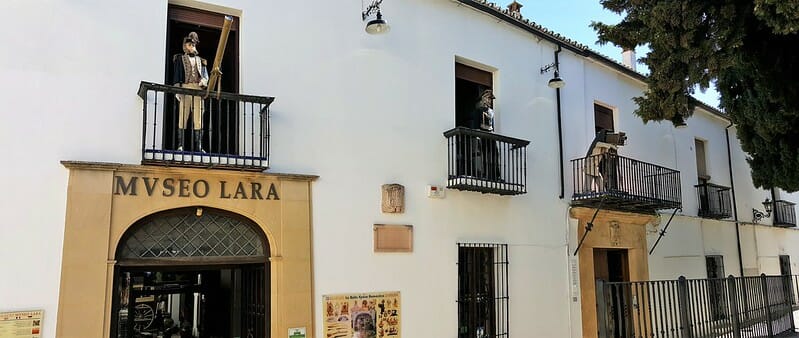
193	302
612	265
192	273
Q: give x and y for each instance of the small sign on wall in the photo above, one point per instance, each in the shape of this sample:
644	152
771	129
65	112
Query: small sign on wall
297	332
21	324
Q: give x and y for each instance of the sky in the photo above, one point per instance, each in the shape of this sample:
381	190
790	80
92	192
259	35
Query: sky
571	18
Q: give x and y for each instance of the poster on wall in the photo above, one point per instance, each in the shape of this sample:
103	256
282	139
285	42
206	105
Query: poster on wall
362	315
21	324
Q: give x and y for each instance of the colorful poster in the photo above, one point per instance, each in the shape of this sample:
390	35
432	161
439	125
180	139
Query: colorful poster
362	315
21	324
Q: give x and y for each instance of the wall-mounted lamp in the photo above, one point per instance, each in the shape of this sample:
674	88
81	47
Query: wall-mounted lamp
556	82
757	215
679	122
376	25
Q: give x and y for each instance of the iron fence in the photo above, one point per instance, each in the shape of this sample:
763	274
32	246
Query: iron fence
182	126
737	307
486	162
714	201
622	183
784	213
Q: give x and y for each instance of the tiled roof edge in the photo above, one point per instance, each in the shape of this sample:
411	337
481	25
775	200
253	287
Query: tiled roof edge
517	20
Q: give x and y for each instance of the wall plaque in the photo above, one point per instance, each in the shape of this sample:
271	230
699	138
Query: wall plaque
393	238
393	198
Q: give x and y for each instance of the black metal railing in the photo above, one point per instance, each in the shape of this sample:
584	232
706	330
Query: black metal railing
714	201
621	183
758	306
784	213
231	131
486	162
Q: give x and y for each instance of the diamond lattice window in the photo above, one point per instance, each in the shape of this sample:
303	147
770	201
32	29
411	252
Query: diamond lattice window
181	233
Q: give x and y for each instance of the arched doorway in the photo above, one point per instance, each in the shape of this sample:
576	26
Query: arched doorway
194	272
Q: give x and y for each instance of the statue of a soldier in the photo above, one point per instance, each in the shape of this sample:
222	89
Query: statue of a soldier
190	72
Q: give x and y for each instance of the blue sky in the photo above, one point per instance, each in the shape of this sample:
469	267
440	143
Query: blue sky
571	18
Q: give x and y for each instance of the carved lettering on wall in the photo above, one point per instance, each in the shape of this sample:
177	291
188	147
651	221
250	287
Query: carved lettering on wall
170	187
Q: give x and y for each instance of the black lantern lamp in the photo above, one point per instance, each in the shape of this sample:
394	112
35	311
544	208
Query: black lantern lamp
757	215
377	25
556	82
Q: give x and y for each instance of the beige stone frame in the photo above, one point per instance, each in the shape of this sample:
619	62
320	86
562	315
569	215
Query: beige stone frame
96	219
630	234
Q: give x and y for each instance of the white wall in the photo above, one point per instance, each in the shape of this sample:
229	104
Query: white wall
360	111
70	73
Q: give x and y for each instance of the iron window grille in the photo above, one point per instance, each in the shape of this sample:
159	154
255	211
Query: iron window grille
182	233
482	290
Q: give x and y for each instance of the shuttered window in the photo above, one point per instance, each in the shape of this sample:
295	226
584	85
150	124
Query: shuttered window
701	161
603	118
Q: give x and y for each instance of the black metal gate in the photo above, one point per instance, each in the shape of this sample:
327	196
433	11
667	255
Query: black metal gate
253	302
737	307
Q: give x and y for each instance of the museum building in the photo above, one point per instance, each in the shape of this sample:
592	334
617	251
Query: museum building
360	169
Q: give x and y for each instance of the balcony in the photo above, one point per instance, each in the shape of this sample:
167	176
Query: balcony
714	201
233	132
486	162
614	182
784	214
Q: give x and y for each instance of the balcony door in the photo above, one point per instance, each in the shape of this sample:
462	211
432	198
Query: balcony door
220	123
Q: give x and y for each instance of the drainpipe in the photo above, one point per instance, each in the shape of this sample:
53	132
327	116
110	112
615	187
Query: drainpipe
734	204
560	125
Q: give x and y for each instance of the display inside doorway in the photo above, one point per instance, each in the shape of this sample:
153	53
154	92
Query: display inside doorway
191	302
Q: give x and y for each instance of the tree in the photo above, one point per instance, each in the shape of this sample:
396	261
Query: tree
746	48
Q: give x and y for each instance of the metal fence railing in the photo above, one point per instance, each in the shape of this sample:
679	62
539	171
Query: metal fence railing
736	307
714	201
187	127
625	183
784	213
486	162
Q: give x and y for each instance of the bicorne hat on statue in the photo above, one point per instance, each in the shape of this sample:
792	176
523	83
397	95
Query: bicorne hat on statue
192	38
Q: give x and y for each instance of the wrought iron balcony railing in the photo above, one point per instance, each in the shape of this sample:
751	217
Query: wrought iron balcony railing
714	201
486	162
232	130
784	214
619	183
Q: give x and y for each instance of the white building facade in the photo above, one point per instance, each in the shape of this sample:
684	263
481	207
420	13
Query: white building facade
348	112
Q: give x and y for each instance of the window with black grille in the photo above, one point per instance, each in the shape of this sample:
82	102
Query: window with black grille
482	290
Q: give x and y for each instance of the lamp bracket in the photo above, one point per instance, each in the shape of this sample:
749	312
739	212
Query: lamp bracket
549	67
373	7
758	215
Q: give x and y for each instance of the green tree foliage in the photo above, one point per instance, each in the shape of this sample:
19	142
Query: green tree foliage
749	49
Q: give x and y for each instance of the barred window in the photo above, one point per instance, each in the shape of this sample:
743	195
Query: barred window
482	290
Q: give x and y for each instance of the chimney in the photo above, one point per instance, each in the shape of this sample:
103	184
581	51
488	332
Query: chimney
515	8
628	58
